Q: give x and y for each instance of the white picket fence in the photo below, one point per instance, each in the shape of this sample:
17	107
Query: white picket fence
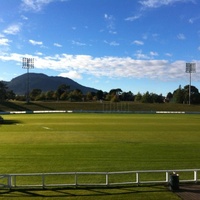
95	179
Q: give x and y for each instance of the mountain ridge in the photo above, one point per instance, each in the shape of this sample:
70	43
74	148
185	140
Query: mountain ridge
44	82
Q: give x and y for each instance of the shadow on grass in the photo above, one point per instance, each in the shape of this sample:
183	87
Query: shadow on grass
9	122
5	106
81	192
40	106
189	190
13	106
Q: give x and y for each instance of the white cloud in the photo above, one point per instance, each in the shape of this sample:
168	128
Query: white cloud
39	53
145	4
140	55
57	45
71	74
33	42
133	18
168	54
159	3
4	42
152	53
12	29
192	20
24	17
36	5
181	36
137	42
112	67
110	23
78	43
113	43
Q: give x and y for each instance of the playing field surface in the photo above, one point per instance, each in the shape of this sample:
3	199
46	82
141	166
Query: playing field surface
98	142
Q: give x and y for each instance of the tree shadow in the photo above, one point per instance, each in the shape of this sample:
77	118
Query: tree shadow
13	106
9	122
41	106
80	192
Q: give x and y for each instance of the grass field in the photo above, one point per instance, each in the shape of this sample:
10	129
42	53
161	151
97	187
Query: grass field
98	142
96	106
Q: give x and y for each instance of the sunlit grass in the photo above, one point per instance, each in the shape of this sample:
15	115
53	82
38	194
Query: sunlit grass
98	142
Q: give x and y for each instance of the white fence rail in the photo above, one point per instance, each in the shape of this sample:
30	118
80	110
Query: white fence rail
96	179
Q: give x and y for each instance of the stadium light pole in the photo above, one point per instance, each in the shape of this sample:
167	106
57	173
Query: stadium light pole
190	68
27	63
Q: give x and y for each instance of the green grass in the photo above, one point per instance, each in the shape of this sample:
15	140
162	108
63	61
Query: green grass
95	106
98	142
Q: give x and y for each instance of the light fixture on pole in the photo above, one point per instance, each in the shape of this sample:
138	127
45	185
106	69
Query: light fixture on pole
27	63
190	68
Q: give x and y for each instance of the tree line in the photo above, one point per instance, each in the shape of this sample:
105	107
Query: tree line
64	93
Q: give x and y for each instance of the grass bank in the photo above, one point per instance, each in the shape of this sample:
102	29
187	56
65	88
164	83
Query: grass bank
96	106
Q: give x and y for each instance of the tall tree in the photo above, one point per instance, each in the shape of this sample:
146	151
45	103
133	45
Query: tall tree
3	91
195	96
100	95
75	95
138	97
35	93
61	89
127	96
179	95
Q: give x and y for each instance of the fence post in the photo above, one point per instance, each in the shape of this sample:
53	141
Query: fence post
10	181
167	177
137	178
43	181
107	179
195	176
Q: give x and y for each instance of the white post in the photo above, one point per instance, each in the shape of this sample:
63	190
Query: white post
195	176
190	90
137	178
107	179
167	177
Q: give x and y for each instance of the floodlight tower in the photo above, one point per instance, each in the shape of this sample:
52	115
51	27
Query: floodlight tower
27	63
190	68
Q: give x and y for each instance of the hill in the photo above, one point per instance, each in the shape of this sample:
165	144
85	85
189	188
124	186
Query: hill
43	82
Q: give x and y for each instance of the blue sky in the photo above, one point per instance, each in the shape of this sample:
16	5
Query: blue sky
135	45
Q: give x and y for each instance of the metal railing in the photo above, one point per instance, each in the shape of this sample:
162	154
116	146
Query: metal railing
96	179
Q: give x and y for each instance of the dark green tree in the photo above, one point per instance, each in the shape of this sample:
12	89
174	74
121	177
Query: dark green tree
35	93
5	93
75	95
138	97
61	89
169	97
127	96
195	96
100	95
179	95
147	98
50	95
